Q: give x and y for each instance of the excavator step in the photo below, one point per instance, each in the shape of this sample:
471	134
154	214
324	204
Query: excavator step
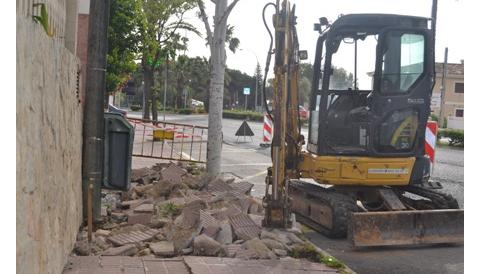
410	227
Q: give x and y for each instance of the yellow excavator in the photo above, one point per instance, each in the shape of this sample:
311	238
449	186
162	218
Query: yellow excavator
363	172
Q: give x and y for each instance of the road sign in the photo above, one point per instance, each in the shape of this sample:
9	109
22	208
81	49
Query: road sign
246	91
244	130
435	103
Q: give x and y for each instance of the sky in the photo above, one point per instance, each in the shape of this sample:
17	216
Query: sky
246	18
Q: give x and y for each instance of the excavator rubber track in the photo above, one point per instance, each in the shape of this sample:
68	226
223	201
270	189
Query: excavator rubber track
435	199
322	209
433	217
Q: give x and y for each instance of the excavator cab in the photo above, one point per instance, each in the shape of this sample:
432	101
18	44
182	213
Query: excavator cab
388	116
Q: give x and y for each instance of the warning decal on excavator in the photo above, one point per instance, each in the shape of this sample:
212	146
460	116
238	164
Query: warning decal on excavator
388	171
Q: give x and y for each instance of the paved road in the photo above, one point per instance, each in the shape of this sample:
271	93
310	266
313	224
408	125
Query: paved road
249	161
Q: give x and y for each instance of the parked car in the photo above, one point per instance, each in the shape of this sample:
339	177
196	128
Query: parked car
196	103
303	112
114	109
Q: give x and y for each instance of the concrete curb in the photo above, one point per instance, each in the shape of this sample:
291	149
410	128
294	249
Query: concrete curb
325	253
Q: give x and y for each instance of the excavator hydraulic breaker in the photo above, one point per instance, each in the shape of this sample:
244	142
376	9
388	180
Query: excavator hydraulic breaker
408	227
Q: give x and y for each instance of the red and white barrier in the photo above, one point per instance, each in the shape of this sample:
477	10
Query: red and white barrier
430	141
267	130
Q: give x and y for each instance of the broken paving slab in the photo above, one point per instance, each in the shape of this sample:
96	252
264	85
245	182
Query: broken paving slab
139	218
124	264
242	186
202	265
144	208
173	173
133	203
162	248
206	219
223	214
206	246
225	235
191	212
133	237
244	227
218	185
261	250
232	249
124	250
257	219
102	232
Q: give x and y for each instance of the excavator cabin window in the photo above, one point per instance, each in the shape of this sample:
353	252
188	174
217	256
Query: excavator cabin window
402	61
371	94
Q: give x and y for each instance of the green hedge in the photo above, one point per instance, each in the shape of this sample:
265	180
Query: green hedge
243	115
455	136
135	107
200	110
185	111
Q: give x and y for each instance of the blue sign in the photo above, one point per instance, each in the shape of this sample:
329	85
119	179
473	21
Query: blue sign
246	91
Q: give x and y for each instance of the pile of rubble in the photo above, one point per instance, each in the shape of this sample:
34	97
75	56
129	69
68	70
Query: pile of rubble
175	209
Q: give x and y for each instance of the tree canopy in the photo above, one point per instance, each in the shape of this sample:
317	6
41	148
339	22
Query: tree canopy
123	42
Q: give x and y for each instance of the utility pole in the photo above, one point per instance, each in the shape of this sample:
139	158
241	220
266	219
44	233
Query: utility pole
256	85
93	128
442	90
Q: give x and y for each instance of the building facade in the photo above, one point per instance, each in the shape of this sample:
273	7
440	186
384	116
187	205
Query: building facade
453	106
49	117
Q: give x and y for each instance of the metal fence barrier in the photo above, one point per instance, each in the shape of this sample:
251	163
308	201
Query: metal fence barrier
169	141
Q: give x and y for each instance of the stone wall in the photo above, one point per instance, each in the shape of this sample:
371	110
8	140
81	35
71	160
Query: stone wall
49	150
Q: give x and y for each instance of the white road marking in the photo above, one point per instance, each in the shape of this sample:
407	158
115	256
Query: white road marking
253	164
185	155
238	150
255	175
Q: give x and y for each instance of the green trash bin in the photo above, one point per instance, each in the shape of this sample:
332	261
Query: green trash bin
119	134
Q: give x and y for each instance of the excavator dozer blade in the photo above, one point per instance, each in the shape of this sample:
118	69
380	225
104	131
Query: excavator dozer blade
410	227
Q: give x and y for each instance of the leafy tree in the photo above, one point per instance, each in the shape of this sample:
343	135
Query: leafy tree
199	77
123	40
238	81
305	82
306	70
259	79
305	87
161	19
341	79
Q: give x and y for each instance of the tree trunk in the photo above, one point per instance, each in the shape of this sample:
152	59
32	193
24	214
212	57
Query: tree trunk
148	82
218	57
154	107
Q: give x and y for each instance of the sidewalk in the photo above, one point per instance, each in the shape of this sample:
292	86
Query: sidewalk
189	264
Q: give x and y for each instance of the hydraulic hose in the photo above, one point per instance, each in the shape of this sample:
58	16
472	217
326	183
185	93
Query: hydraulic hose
269	57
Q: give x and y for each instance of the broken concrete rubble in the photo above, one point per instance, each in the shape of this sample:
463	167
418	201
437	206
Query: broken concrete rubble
139	218
173	173
260	249
102	232
162	248
124	250
206	246
244	227
133	237
144	208
171	211
225	235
